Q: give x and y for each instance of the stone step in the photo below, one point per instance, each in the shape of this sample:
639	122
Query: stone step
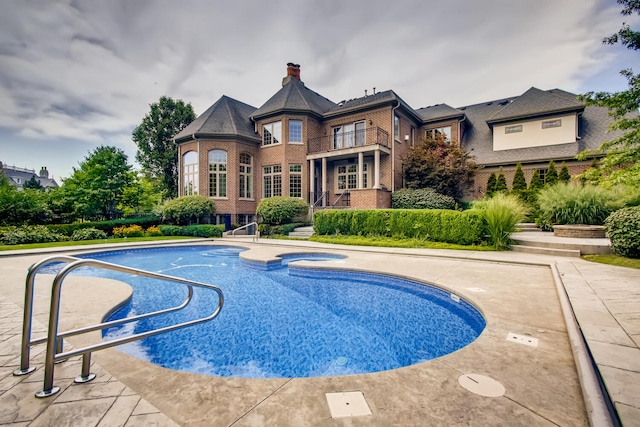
302	232
527	226
548	241
546	251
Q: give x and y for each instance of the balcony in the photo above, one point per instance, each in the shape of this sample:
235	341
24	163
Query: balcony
347	140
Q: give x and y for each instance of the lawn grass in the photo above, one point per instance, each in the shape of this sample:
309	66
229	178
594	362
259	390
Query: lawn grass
390	242
90	242
618	260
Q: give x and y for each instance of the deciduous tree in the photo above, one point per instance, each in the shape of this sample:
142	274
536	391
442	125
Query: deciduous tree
440	165
621	164
157	152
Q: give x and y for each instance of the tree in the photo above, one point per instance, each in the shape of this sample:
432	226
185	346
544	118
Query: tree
491	184
501	181
536	182
564	173
519	181
34	184
621	164
23	207
437	164
551	177
157	152
99	185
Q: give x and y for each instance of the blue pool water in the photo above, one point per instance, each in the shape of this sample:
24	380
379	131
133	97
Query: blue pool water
286	321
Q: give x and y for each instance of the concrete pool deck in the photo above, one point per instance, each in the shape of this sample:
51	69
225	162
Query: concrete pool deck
515	292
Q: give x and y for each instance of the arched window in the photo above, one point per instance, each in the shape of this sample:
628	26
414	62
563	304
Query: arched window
217	173
246	176
189	173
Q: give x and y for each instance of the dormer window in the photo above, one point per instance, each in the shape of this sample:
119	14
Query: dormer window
552	124
444	131
272	133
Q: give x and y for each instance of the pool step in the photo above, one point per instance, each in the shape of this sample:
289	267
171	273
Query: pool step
302	232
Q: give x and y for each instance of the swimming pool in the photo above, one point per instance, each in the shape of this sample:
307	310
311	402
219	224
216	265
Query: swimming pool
290	321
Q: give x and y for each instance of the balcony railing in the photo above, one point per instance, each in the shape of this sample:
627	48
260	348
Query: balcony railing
345	140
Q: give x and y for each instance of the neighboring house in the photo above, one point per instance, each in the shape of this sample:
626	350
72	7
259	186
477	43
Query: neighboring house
19	176
349	154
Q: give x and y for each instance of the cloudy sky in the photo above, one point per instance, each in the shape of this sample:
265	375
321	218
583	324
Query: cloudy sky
77	74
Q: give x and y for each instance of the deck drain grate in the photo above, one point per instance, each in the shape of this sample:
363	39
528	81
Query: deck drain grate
482	385
522	339
347	404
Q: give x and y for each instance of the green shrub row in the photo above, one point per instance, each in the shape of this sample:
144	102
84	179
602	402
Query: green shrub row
25	234
105	226
422	198
198	230
448	226
88	234
623	228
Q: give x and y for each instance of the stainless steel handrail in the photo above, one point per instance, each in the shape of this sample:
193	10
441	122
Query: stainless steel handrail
54	351
256	236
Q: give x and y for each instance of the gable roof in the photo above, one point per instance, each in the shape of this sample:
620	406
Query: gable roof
478	135
224	118
534	103
438	112
294	96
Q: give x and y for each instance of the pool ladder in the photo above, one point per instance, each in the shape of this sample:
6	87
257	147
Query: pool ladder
54	352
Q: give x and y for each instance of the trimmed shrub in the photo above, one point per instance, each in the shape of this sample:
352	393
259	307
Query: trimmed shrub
281	210
448	226
501	181
187	210
502	212
88	234
422	198
623	228
491	184
30	234
196	230
573	204
130	231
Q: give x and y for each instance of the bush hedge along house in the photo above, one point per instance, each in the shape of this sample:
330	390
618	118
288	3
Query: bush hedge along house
349	154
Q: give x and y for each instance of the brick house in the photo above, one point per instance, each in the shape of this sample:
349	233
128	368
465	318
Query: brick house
349	154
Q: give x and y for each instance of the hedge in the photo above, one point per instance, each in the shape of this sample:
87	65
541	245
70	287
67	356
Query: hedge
106	226
200	230
449	226
421	198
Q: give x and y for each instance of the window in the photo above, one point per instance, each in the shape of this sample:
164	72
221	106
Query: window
271	181
552	124
217	173
246	176
272	133
543	175
348	176
444	131
295	130
295	181
412	136
349	135
396	128
513	129
189	173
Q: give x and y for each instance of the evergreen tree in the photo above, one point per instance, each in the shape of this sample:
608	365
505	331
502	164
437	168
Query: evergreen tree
501	181
34	184
536	182
519	182
564	173
551	177
491	184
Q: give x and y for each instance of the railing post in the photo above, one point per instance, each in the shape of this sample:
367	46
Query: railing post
85	376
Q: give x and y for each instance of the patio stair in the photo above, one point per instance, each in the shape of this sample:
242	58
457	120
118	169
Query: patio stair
527	226
545	243
302	232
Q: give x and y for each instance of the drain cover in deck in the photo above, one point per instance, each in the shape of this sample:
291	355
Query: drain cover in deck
347	404
479	384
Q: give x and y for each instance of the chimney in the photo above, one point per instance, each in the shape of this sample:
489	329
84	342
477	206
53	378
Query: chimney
44	173
293	72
